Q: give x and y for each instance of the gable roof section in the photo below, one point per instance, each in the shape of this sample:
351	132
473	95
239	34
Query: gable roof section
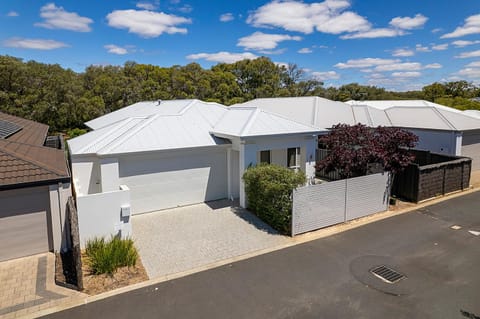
145	109
419	114
196	124
309	110
179	127
252	122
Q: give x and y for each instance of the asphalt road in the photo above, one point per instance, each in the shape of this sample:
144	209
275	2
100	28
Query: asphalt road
330	278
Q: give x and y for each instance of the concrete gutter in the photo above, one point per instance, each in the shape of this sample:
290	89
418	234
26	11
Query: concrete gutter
299	239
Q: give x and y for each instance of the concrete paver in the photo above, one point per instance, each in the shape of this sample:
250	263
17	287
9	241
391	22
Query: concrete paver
27	285
180	239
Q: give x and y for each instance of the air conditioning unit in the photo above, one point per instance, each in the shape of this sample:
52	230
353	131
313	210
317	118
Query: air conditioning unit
125	211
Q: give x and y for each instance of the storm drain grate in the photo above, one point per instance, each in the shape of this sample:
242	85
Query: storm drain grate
387	274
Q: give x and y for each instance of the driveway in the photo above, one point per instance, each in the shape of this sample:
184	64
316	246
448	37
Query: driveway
330	278
180	239
27	285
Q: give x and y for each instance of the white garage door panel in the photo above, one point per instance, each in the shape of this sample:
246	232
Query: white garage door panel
23	223
163	182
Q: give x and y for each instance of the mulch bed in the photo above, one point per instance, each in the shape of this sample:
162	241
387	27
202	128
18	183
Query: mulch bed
95	284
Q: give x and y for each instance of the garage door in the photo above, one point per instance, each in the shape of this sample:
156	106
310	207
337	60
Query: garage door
23	222
471	148
174	179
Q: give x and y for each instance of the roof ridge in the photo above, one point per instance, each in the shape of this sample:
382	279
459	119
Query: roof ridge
109	131
289	119
129	133
30	160
444	118
249	121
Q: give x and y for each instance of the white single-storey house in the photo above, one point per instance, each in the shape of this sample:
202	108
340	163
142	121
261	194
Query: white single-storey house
156	155
440	129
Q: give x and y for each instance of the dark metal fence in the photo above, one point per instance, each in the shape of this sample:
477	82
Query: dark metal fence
432	175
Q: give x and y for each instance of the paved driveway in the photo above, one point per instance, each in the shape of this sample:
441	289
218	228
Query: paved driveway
27	285
181	239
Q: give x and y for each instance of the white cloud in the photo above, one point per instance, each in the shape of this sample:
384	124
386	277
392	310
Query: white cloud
464	43
305	50
471	54
115	49
421	48
365	63
222	57
407	23
324	76
12	14
185	8
57	18
403	52
433	66
35	44
327	16
404	66
264	41
147	24
148	5
471	73
374	33
475	64
406	74
440	47
471	26
436	30
227	17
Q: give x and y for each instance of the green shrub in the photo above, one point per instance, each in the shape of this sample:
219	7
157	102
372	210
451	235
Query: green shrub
105	257
269	192
75	132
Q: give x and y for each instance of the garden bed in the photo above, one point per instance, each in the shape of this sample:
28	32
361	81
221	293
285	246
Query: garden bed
94	284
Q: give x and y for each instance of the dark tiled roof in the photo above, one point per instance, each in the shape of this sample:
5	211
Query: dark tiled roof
32	132
24	159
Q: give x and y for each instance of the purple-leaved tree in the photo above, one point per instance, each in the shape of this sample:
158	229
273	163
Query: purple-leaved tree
351	149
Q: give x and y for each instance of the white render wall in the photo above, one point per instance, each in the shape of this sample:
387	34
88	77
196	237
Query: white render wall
86	175
443	142
99	215
59	194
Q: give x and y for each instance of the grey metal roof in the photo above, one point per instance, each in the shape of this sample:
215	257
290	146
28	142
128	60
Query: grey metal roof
252	121
195	124
309	110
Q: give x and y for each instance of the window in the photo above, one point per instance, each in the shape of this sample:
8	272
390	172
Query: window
265	157
292	157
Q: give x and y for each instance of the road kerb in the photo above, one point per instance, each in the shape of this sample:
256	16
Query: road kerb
299	239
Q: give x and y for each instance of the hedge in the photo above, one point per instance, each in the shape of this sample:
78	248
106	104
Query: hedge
269	193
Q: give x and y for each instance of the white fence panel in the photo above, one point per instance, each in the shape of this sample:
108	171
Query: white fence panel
367	195
326	204
318	206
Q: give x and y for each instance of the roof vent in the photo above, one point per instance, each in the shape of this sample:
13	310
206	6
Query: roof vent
159	102
8	128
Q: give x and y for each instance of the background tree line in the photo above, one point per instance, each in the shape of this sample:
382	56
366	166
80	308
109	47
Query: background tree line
65	99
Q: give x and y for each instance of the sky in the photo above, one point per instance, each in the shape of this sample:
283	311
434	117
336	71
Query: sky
398	45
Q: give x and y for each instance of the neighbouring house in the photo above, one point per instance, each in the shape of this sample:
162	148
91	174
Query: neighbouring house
440	129
34	188
162	154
